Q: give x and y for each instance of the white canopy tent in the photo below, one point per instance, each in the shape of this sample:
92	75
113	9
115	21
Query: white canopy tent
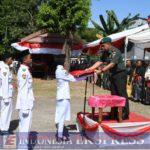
120	35
141	41
126	36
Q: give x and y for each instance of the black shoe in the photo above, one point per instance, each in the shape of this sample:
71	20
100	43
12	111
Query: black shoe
59	140
4	133
66	138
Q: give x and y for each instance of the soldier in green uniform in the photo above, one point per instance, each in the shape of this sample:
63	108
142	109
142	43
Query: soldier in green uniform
116	67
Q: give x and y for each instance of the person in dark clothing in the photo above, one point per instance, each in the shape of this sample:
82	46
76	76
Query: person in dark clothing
138	84
129	71
129	68
116	67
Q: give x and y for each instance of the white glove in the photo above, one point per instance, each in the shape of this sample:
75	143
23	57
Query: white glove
25	113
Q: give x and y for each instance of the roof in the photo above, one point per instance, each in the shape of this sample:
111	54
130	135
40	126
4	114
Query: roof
44	37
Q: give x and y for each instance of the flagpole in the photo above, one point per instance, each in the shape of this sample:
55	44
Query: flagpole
85	96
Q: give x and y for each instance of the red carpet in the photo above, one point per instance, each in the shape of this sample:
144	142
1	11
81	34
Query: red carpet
132	118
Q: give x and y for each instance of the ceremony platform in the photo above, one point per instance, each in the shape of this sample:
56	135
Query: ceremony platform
132	132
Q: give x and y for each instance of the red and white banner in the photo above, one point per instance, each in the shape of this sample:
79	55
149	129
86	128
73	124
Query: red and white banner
112	134
129	128
39	48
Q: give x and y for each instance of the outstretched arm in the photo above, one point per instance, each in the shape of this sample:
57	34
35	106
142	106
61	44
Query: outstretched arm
95	66
108	67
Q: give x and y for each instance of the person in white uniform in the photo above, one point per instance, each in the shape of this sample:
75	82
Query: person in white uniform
147	73
63	100
25	98
6	93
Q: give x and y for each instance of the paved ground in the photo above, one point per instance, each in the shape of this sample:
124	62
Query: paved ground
44	110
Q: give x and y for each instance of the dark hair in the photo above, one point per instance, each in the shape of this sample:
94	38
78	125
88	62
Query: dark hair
21	55
6	56
61	59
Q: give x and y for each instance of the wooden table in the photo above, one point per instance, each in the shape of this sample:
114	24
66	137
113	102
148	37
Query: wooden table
103	101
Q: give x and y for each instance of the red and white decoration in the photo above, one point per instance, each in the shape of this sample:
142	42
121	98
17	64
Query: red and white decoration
134	128
40	48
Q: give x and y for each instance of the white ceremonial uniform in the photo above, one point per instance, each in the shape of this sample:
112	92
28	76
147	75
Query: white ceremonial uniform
147	73
1	65
63	97
25	100
7	94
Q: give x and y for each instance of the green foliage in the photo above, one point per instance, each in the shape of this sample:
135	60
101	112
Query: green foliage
112	25
64	16
89	34
17	19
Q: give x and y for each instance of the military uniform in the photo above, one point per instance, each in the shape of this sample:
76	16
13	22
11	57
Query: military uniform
6	93
118	76
63	97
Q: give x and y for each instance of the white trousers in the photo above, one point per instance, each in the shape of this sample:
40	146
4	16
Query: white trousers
6	112
62	114
25	121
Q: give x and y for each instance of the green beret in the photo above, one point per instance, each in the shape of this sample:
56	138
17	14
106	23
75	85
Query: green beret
106	40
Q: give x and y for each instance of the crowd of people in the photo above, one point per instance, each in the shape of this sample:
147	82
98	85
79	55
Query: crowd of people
138	80
138	84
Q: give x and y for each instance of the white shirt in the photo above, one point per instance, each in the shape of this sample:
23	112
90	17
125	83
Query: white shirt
147	73
6	87
25	96
1	65
63	78
10	81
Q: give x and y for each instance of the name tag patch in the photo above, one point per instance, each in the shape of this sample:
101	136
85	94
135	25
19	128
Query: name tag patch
24	76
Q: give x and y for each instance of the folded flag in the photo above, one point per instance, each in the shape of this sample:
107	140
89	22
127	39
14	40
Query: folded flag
81	73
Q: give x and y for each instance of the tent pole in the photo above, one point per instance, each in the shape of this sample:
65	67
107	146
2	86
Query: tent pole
143	90
125	53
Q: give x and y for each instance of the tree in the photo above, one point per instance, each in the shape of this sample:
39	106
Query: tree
17	19
64	17
112	25
88	35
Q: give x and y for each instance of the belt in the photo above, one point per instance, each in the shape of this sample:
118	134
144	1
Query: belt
60	100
